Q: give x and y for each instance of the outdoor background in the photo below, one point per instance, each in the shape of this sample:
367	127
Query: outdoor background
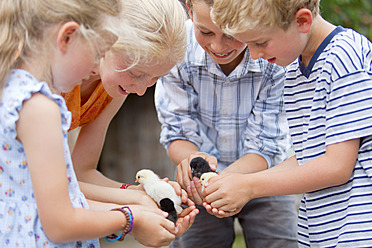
132	141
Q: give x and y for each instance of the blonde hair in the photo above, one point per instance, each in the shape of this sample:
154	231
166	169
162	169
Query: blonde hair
155	32
191	2
237	16
26	26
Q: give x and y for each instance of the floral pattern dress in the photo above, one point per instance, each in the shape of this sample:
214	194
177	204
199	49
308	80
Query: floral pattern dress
20	225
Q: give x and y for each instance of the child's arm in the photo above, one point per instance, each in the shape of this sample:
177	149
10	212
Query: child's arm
39	129
333	168
249	163
116	195
89	144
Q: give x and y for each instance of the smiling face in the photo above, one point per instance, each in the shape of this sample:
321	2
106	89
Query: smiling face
135	80
224	50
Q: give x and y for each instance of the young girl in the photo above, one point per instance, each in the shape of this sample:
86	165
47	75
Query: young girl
155	41
46	47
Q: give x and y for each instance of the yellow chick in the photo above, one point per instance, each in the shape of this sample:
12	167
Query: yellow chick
158	189
204	178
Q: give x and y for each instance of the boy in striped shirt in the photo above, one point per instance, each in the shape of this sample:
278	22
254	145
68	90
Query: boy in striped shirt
328	101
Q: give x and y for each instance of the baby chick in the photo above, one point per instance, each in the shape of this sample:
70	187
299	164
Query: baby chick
158	189
205	178
199	166
167	205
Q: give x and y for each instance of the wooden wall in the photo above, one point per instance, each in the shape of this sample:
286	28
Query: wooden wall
132	141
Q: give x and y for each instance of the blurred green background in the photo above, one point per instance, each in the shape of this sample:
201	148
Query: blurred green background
355	14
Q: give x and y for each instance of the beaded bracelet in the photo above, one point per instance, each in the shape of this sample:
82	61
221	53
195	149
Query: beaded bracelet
128	227
125	186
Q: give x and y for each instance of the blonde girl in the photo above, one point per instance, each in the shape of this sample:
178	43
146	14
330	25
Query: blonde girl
154	42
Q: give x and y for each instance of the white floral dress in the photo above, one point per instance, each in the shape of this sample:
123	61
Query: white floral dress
19	221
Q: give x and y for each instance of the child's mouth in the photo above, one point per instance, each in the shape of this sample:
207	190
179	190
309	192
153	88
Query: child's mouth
224	55
272	60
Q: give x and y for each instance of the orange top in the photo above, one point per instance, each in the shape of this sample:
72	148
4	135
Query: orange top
84	114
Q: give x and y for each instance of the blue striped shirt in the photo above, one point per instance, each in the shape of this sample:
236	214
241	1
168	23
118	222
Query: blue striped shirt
224	116
328	102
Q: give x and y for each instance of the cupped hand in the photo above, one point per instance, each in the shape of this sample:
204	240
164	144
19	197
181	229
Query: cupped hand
186	219
149	222
226	194
184	178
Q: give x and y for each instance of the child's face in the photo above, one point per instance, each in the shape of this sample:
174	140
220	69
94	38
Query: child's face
275	44
222	48
135	80
77	62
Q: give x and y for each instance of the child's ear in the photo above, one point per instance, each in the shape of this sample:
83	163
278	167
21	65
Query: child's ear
66	34
189	9
304	19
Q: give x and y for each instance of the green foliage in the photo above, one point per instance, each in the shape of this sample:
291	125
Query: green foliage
355	14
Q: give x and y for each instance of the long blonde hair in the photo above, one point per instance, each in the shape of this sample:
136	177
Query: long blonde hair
26	26
155	32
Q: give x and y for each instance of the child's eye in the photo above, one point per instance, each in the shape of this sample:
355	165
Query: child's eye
140	77
229	37
261	44
206	33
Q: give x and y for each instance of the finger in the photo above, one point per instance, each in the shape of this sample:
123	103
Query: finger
186	211
177	188
169	226
190	203
184	197
179	177
221	204
195	193
211	196
212	161
166	179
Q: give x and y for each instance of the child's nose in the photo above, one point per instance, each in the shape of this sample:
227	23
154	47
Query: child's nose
218	45
255	52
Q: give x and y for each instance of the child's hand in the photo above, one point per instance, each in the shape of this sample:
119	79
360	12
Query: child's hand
220	213
179	191
186	219
148	222
190	184
225	194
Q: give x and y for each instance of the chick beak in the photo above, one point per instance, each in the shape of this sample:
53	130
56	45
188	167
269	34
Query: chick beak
136	181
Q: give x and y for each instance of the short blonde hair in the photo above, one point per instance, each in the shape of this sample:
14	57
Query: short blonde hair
26	26
155	32
237	16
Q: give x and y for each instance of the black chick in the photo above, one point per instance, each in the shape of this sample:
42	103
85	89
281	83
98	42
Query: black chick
199	166
167	205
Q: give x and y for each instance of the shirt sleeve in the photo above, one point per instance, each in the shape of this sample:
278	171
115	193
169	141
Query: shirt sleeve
267	129
349	101
176	104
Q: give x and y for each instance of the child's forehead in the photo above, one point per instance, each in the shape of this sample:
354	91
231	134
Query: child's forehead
155	69
256	35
